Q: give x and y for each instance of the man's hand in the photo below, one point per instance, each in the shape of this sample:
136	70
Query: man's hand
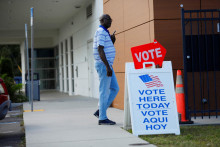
109	71
113	38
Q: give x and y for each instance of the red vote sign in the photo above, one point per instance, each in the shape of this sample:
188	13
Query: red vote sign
152	52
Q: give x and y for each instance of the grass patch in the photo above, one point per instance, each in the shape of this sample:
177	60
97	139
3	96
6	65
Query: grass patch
20	116
191	136
23	142
22	123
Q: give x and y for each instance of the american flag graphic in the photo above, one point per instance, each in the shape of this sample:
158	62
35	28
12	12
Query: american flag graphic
151	81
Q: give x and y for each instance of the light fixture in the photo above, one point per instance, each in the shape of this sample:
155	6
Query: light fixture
77	6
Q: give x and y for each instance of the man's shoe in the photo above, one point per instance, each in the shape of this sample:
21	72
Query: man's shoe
97	113
106	122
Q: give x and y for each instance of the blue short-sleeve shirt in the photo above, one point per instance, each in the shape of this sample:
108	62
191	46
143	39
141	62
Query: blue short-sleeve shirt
102	38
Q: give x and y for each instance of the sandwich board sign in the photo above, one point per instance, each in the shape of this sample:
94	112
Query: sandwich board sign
150	103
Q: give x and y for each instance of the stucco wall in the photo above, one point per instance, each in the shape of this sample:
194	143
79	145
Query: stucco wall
140	22
82	30
131	20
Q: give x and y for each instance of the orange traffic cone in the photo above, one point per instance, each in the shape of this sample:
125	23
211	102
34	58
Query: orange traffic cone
180	98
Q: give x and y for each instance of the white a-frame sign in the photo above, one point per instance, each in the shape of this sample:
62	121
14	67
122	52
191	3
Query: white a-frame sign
150	104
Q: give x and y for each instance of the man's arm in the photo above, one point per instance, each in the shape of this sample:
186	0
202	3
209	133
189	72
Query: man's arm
103	58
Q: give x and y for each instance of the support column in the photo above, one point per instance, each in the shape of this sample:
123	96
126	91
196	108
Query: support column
64	66
23	57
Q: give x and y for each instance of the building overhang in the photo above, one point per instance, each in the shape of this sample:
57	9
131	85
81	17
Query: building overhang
49	16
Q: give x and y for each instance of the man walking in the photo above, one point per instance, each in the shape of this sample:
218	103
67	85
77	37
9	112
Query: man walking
104	54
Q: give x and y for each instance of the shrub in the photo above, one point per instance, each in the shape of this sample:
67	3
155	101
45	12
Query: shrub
14	90
20	98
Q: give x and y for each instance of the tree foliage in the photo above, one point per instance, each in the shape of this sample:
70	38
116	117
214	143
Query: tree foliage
6	67
12	52
10	59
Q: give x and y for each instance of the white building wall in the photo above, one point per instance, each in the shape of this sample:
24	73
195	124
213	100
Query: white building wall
22	51
82	30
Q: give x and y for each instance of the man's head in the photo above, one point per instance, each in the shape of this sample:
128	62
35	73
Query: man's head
105	20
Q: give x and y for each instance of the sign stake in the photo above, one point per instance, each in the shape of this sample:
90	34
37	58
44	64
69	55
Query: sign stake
32	57
28	76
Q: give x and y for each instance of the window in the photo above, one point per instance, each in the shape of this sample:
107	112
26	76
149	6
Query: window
72	63
71	43
45	65
89	11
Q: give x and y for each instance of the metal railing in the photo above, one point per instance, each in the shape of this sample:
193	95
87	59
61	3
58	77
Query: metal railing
201	50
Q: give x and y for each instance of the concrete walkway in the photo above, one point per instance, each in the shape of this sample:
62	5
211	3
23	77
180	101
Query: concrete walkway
68	121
